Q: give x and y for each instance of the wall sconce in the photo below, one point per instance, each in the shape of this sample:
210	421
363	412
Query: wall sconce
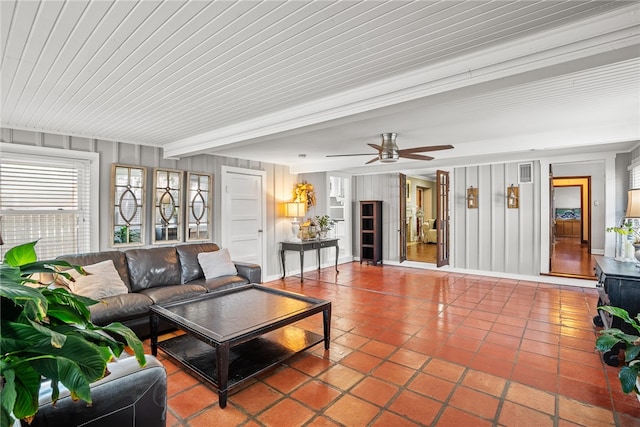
513	196
294	210
472	198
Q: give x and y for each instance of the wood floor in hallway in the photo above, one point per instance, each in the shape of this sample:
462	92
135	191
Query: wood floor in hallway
421	252
571	258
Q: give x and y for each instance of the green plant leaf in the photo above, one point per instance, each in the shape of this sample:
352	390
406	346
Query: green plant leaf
27	385
21	255
56	339
65	307
8	395
631	353
84	355
628	377
605	342
5	417
20	294
17	337
130	337
622	314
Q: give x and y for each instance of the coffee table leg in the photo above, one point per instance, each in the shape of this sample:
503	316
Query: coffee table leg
326	323
301	265
153	325
222	372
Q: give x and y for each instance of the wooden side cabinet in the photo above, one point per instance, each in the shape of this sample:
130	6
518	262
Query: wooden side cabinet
568	227
371	231
619	286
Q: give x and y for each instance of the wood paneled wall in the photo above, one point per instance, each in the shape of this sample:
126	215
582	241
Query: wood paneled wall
494	237
279	182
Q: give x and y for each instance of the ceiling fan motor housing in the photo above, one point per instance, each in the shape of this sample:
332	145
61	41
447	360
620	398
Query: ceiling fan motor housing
389	152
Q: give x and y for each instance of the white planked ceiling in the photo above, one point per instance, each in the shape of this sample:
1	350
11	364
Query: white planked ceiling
271	80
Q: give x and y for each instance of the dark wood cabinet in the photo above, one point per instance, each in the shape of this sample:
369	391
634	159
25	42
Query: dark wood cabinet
371	231
619	286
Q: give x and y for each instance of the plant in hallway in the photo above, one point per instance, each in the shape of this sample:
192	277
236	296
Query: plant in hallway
324	222
612	340
47	333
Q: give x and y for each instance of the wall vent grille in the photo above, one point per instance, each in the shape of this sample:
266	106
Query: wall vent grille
525	173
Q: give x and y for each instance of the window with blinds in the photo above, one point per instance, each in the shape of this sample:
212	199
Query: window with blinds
46	199
634	177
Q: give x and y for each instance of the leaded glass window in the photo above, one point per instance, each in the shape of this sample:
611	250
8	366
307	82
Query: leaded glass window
167	212
128	201
199	206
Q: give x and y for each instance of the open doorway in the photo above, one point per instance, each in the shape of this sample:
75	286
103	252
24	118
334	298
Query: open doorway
420	202
571	227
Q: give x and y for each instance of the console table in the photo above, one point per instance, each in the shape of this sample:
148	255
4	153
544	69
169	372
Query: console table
618	285
307	245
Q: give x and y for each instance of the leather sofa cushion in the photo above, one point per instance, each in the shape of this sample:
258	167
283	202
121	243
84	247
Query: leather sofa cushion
119	308
224	282
118	258
189	264
167	294
153	267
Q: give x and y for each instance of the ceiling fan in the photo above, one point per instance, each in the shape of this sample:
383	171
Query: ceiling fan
389	152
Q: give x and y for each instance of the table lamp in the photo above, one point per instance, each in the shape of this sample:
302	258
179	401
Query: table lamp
633	211
294	210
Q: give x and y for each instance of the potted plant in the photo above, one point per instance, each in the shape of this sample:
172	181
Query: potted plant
325	223
629	244
47	334
612	340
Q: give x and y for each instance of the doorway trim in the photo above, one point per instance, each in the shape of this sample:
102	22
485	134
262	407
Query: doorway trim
225	207
584	182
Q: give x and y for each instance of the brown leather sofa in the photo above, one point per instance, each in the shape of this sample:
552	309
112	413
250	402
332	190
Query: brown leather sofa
155	276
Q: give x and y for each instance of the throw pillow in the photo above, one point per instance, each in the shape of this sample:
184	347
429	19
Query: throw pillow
102	281
217	263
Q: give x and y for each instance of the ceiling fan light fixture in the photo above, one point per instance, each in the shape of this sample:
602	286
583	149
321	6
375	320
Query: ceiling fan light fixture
389	152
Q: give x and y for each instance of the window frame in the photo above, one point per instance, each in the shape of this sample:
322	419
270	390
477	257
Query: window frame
93	158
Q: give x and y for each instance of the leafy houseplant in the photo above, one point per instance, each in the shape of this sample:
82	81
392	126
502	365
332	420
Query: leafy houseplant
324	222
47	333
611	339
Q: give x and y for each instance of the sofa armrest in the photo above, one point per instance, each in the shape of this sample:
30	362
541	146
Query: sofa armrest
252	272
128	396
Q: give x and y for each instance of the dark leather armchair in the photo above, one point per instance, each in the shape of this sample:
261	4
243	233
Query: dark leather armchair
129	396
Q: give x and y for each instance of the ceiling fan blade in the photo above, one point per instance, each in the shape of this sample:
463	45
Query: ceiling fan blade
424	149
347	155
375	159
376	146
415	156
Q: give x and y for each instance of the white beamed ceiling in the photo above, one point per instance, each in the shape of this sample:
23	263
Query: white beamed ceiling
269	81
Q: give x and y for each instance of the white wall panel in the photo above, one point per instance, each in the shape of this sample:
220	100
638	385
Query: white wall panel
493	237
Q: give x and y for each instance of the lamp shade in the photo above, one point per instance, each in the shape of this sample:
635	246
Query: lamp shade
633	204
294	209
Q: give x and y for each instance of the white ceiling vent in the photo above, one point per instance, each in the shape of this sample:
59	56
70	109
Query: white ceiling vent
525	173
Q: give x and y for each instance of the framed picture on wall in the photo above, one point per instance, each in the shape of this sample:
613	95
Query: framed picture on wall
408	195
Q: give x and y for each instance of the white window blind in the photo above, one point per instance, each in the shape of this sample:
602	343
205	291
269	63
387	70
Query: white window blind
47	199
634	177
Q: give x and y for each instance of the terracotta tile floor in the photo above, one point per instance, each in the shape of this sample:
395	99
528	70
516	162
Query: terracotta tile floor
417	347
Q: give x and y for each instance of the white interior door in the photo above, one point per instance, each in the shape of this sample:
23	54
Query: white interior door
243	209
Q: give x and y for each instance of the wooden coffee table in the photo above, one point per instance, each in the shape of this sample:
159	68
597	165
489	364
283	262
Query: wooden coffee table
236	334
